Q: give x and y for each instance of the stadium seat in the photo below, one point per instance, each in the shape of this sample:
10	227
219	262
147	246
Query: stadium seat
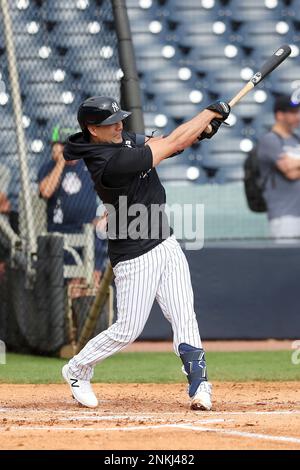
285	79
263	123
222	151
8	141
253	10
202	42
266	32
98	69
191	5
187	16
229	174
150	119
213	42
7	121
178	103
211	27
110	88
176	171
167	79
45	74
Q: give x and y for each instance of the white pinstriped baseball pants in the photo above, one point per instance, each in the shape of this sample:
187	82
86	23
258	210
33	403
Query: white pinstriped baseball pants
161	273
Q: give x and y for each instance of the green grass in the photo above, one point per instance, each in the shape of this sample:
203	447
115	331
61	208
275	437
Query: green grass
157	368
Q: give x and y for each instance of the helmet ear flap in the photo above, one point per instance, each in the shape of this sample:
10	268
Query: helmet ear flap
86	133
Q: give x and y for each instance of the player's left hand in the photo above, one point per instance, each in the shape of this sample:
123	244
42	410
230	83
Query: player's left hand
223	109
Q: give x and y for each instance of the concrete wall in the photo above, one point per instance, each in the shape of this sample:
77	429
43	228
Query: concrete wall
241	292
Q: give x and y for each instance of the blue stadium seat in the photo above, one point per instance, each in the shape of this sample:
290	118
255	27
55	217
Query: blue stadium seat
99	70
27	46
145	40
176	171
229	174
286	79
45	93
265	32
178	104
32	74
146	65
8	141
263	123
83	33
166	79
187	16
108	89
38	110
59	5
212	58
151	124
202	42
190	29
189	5
57	10
7	121
222	151
57	16
208	27
253	10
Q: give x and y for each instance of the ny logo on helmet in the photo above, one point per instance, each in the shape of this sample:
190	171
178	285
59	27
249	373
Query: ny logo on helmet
115	106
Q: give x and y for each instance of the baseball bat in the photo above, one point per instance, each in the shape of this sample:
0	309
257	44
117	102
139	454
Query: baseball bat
272	63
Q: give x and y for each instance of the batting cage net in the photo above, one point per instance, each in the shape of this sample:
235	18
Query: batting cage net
56	53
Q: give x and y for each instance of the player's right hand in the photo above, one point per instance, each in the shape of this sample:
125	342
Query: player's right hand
221	108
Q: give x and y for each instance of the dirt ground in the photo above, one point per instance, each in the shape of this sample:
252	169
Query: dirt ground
149	416
250	345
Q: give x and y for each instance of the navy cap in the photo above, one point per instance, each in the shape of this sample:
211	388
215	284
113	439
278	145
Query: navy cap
285	104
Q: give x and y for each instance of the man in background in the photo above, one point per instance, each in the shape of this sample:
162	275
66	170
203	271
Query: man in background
279	160
71	200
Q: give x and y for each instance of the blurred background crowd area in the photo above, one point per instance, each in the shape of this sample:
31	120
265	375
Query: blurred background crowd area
188	54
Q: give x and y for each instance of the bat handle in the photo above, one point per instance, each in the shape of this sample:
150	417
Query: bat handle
209	127
235	100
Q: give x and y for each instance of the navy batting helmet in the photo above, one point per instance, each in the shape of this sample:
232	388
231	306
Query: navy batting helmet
100	111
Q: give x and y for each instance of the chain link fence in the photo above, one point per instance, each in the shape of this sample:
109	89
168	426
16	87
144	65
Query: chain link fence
59	53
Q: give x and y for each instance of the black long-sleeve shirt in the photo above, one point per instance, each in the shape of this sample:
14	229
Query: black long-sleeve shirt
123	176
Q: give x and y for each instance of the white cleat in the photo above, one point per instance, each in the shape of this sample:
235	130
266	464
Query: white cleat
202	398
81	389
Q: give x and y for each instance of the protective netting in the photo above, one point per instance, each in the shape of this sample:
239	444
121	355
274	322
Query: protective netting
64	52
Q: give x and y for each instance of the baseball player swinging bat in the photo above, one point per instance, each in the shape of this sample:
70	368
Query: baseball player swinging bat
272	63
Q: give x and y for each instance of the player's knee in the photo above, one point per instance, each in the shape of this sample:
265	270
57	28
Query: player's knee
122	335
194	366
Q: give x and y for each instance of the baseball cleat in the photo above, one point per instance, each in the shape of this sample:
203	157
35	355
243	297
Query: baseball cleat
202	398
81	389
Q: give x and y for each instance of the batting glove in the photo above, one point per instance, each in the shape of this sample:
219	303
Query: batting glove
221	108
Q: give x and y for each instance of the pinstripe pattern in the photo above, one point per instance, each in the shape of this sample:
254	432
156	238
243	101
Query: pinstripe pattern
161	273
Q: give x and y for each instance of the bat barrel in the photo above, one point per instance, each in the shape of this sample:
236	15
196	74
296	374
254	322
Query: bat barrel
279	56
276	59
